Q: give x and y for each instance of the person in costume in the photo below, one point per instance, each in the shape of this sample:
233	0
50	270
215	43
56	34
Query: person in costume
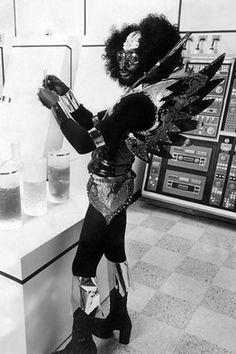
114	137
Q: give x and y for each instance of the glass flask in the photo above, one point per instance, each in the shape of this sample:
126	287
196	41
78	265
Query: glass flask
58	176
35	186
10	196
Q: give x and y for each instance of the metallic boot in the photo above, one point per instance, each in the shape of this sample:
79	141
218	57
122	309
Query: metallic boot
118	317
85	298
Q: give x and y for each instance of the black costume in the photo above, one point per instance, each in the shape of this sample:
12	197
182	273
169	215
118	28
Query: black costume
110	189
110	186
146	119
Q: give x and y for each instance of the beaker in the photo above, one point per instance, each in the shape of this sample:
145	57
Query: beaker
58	176
35	186
10	197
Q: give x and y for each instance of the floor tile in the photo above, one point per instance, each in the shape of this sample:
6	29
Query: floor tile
184	271
223	228
190	344
139	297
146	235
220	300
214	328
135	250
166	214
166	308
218	239
149	274
154	337
136	217
175	244
190	232
112	346
196	221
143	206
226	278
132	261
230	261
156	223
142	325
209	253
129	228
184	288
197	269
163	258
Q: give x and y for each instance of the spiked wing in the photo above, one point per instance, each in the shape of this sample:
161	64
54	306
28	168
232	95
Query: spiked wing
177	101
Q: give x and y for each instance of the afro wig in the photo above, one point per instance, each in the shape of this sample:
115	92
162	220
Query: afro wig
158	37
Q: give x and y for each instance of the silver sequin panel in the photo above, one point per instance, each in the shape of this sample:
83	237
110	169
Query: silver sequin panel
110	195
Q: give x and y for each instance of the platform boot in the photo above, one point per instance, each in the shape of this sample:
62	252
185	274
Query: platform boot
118	317
85	301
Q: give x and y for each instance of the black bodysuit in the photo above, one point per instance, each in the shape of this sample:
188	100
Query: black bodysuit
110	186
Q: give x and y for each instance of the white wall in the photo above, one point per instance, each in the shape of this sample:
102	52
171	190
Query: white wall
208	15
56	17
101	15
7	17
7	31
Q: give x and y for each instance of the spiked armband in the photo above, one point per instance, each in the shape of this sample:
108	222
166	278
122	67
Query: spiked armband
70	101
97	137
60	112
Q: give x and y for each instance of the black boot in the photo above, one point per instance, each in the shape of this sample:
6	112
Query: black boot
118	319
82	341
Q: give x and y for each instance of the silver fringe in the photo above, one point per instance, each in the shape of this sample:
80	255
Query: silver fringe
122	279
85	294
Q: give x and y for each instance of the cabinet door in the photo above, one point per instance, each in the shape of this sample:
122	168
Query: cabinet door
23	117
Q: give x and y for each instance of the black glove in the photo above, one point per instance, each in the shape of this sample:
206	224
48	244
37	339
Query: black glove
53	83
48	98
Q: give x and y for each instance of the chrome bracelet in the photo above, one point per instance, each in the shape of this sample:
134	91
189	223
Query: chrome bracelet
97	137
60	112
70	101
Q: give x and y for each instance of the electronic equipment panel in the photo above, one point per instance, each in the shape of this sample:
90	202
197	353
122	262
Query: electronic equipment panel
154	172
211	181
230	120
184	184
230	191
193	157
185	174
209	120
202	176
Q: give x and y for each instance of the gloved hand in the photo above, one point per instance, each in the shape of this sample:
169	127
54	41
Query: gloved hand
53	83
48	98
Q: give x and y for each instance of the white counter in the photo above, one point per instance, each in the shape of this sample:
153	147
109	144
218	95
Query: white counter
36	231
35	273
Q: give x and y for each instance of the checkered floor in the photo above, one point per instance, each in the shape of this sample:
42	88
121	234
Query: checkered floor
184	271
